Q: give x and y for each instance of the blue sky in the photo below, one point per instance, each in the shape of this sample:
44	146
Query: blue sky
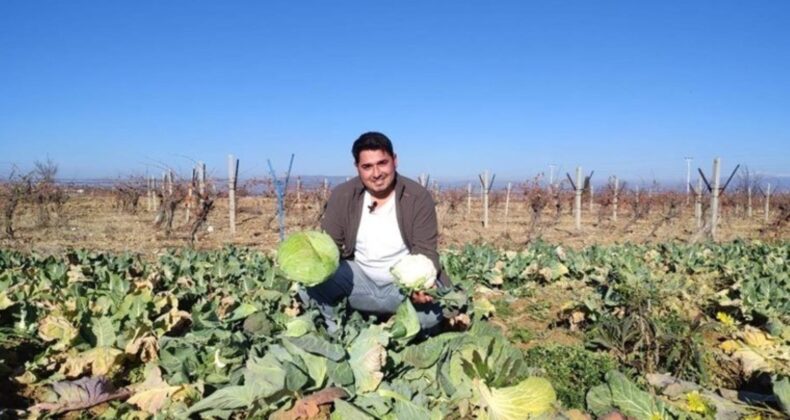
109	89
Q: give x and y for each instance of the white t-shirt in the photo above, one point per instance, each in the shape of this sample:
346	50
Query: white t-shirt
379	242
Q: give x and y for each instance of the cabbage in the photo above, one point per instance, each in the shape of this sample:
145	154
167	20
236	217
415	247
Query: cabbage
414	272
308	257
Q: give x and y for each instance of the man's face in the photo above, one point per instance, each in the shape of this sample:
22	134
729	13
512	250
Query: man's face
376	169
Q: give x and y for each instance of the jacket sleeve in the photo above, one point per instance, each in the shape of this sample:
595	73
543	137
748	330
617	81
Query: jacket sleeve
332	221
426	235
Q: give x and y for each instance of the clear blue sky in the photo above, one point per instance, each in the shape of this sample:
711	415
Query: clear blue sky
110	88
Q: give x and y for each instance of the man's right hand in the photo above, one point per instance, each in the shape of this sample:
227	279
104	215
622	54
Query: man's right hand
421	297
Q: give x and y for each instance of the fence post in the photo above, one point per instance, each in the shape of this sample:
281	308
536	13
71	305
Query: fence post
190	193
766	211
592	194
325	189
485	184
698	204
149	192
714	199
233	173
507	202
201	173
749	201
577	202
298	189
170	181
614	200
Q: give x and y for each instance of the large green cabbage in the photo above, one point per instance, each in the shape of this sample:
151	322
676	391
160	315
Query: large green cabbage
308	257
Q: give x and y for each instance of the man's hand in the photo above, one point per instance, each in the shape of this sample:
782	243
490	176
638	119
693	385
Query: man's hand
421	297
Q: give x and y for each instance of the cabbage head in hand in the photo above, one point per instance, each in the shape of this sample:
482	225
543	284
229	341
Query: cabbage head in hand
308	257
414	272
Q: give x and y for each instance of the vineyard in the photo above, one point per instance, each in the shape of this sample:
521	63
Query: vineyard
132	302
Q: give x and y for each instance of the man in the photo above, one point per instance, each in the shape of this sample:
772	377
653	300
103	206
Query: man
377	218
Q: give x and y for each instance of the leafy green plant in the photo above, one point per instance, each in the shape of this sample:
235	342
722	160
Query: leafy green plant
572	370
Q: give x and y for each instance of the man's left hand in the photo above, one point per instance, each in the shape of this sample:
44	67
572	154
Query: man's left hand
421	297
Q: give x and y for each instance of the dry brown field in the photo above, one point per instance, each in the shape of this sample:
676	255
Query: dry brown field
92	220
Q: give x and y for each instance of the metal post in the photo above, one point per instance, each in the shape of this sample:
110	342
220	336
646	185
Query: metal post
614	200
749	201
714	199
698	204
233	173
577	202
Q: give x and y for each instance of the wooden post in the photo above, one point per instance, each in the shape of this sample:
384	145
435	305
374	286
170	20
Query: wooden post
592	193
714	199
164	183
749	201
201	170
698	204
507	202
577	202
468	199
170	181
298	189
190	193
485	188
149	192
766	210
233	173
153	189
326	189
614	200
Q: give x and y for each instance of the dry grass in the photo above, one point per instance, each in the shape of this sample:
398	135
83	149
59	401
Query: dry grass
92	221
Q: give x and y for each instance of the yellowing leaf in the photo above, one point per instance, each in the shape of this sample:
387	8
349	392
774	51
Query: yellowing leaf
729	346
367	355
56	328
484	306
100	360
531	397
153	394
146	346
5	301
756	338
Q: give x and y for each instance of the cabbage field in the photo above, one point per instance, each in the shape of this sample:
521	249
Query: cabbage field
663	331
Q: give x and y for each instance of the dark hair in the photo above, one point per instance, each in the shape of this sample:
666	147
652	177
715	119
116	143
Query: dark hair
372	140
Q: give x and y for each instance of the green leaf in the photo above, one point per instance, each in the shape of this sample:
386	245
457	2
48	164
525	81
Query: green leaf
406	324
316	365
340	373
104	332
403	407
242	311
317	345
295	379
265	375
533	396
347	411
782	392
226	399
631	400
298	327
427	353
599	400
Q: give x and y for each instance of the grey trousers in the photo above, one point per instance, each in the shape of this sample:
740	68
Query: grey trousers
364	295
